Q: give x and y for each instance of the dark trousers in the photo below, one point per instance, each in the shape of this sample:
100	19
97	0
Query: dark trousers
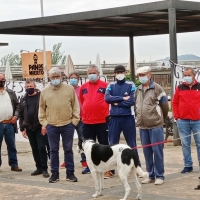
8	132
38	146
79	130
127	125
96	131
67	133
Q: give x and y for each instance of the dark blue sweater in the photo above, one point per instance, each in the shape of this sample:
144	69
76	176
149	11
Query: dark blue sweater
115	93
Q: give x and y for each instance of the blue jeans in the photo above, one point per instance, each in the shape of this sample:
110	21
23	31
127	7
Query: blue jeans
185	128
67	133
153	154
8	132
79	130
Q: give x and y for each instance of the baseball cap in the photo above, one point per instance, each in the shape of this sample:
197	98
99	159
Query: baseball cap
119	68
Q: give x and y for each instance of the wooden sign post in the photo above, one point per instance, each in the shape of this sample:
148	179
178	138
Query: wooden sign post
33	66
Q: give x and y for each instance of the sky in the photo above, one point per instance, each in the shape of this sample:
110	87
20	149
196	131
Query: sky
84	49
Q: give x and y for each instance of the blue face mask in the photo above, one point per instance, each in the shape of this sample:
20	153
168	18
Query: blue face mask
73	81
92	77
55	82
187	79
143	79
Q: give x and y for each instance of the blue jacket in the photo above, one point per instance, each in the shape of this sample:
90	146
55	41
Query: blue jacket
115	93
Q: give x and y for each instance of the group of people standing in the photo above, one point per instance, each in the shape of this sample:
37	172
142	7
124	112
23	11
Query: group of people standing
98	111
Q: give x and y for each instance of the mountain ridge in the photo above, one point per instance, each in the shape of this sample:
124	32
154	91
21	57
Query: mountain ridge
183	58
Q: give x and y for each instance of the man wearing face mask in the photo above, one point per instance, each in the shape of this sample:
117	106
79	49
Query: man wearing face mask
59	113
151	105
95	110
186	110
120	95
31	127
9	107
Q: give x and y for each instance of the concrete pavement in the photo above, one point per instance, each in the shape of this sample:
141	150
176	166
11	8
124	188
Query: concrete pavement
20	185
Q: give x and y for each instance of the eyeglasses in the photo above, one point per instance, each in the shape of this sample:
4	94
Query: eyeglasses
55	77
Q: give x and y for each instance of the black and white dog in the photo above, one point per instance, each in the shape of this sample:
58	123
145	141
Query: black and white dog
101	158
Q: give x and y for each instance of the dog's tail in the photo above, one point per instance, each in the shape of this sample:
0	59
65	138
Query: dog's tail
138	169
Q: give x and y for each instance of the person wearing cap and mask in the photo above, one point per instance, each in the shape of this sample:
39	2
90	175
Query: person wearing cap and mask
120	95
151	106
186	110
95	110
9	107
30	127
59	113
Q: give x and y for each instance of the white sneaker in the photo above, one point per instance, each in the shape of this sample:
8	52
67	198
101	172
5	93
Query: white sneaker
159	181
147	180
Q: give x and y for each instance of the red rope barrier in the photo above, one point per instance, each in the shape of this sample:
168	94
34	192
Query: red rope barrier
153	144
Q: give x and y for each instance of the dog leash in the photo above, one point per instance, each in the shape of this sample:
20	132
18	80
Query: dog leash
162	142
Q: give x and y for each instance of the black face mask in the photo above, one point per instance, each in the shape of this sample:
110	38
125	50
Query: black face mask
2	83
30	90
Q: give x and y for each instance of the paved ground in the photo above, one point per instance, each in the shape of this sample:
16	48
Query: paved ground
22	186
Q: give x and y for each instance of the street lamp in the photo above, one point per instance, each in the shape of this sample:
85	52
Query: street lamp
44	47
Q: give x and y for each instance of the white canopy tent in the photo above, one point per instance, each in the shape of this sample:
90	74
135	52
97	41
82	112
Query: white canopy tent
98	64
8	74
69	67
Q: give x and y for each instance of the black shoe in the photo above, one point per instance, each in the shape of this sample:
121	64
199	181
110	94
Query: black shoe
71	177
36	172
187	170
45	174
54	178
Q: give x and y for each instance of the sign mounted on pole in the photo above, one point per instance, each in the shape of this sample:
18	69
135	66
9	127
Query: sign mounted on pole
33	64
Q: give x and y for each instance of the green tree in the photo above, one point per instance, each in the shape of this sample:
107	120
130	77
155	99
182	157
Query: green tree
58	57
13	59
128	78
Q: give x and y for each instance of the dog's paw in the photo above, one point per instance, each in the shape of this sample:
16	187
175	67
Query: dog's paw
138	197
95	195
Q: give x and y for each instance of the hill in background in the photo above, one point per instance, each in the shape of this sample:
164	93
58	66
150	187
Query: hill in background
183	57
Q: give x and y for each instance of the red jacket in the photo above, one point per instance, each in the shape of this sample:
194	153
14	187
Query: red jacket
186	102
94	107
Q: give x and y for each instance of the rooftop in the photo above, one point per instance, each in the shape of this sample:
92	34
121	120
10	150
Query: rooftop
135	20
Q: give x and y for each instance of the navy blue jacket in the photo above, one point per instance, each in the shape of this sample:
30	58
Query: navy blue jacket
115	93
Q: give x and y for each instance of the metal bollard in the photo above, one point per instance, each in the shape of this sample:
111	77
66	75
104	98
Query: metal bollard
198	186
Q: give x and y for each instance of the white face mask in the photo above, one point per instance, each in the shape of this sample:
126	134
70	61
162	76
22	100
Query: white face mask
120	77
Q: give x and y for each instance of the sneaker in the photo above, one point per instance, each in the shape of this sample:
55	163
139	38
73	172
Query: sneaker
108	174
45	174
54	178
63	166
159	181
86	171
36	172
71	177
84	164
187	170
16	169
147	180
